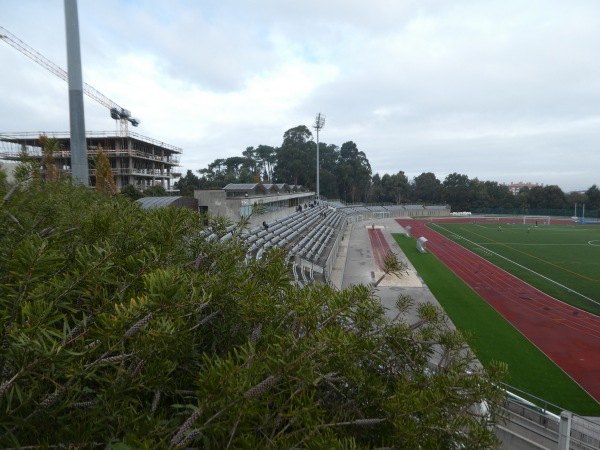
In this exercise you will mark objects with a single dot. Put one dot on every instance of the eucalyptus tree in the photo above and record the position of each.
(329, 156)
(499, 195)
(251, 164)
(296, 158)
(457, 192)
(522, 198)
(576, 198)
(353, 172)
(394, 187)
(426, 188)
(187, 184)
(238, 169)
(265, 156)
(547, 197)
(376, 190)
(213, 175)
(593, 198)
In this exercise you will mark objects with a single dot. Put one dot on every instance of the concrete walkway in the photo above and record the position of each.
(355, 265)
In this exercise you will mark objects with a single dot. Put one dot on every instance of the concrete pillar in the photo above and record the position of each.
(79, 161)
(564, 431)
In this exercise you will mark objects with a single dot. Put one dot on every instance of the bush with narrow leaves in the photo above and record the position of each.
(124, 327)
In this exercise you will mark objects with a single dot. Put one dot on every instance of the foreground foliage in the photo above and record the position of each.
(124, 327)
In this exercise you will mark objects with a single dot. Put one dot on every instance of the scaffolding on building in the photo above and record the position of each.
(135, 159)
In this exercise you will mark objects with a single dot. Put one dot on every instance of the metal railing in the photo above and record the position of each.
(11, 146)
(20, 136)
(139, 172)
(37, 153)
(545, 422)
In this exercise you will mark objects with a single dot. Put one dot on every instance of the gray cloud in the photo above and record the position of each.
(500, 90)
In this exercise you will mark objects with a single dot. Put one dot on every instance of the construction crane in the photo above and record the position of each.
(116, 112)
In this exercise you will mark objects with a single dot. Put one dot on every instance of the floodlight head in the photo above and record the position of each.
(319, 122)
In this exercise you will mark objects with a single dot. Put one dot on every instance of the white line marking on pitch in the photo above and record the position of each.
(523, 267)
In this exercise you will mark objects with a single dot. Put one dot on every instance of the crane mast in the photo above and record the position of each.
(116, 112)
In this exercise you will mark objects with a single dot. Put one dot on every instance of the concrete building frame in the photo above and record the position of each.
(135, 159)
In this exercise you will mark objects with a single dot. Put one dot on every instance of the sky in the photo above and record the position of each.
(504, 91)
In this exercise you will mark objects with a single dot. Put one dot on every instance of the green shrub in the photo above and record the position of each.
(124, 327)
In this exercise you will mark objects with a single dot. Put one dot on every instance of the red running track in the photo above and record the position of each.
(379, 245)
(567, 335)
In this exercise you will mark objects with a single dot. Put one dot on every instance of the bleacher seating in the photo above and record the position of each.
(305, 236)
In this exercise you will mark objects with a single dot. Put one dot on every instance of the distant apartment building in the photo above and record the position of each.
(515, 188)
(134, 159)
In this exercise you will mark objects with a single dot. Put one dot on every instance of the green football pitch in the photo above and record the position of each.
(493, 338)
(560, 260)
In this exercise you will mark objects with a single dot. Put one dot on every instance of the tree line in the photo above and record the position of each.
(468, 194)
(345, 173)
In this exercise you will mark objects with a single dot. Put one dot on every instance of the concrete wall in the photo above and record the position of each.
(513, 440)
(187, 202)
(217, 203)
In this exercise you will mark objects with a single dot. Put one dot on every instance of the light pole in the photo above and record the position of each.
(319, 124)
(79, 162)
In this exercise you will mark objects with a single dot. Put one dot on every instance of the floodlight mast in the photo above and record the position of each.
(319, 124)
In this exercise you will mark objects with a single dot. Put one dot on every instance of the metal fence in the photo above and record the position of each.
(548, 425)
(534, 212)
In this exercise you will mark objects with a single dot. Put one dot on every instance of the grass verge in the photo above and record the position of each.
(493, 338)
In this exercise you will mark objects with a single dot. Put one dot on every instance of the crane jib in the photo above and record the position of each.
(116, 112)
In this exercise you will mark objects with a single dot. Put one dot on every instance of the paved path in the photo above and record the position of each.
(356, 264)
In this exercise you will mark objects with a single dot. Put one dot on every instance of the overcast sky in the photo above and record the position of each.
(503, 90)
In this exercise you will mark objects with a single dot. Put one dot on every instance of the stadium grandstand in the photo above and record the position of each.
(289, 217)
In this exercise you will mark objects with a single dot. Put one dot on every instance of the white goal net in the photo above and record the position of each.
(536, 220)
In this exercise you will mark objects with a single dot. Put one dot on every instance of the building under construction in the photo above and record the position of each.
(135, 159)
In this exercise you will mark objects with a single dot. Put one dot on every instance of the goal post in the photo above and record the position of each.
(536, 220)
